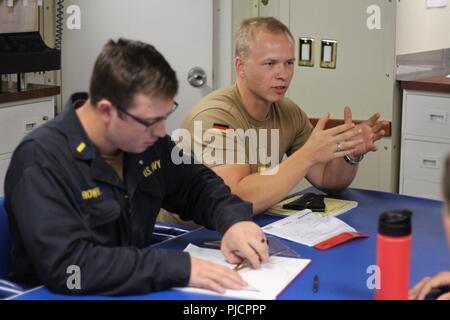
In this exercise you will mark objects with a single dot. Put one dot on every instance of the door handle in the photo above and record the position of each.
(197, 77)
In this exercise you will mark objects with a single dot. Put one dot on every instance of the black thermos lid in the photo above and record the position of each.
(395, 223)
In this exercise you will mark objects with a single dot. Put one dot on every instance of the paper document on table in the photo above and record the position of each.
(265, 283)
(333, 207)
(307, 228)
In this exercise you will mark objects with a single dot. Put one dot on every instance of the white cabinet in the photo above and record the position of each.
(425, 143)
(16, 120)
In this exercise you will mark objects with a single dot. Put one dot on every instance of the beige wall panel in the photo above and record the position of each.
(364, 77)
(421, 29)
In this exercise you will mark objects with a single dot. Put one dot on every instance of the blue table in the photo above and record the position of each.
(343, 269)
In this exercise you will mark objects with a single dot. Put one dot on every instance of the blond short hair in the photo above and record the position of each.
(245, 34)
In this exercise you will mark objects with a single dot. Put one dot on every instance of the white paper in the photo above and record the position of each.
(307, 228)
(265, 283)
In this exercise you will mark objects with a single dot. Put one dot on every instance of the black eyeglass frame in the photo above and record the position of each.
(148, 123)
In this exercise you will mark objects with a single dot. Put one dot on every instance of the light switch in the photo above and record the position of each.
(328, 54)
(306, 52)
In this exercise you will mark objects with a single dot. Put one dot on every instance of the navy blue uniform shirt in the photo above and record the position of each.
(68, 207)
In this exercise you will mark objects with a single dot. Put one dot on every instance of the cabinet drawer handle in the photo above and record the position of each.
(430, 163)
(437, 117)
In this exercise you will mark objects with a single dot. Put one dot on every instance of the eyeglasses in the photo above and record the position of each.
(149, 123)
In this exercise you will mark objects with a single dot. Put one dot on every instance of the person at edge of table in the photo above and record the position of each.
(256, 103)
(82, 192)
(440, 281)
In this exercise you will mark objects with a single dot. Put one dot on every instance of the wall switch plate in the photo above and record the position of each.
(306, 52)
(328, 54)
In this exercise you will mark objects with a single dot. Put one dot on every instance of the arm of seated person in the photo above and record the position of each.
(267, 188)
(263, 190)
(423, 287)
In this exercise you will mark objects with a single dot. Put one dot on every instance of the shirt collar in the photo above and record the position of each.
(79, 143)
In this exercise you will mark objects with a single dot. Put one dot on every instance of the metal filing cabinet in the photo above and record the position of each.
(16, 120)
(425, 143)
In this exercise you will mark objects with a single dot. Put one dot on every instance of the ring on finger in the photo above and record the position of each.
(338, 147)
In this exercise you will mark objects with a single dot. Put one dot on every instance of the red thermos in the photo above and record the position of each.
(394, 255)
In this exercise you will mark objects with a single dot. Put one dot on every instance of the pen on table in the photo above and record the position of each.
(245, 262)
(241, 265)
(316, 284)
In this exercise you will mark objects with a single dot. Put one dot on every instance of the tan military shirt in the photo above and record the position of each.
(221, 131)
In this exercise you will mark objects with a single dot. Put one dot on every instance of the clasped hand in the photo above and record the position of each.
(347, 139)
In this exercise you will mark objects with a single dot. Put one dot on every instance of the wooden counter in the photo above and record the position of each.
(437, 83)
(33, 91)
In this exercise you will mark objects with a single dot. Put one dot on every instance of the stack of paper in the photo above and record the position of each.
(265, 283)
(307, 228)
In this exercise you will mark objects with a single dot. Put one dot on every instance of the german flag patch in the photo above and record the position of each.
(220, 127)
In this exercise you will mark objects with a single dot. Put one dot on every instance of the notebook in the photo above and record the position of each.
(265, 283)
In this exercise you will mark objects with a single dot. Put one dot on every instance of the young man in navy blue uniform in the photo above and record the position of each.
(83, 191)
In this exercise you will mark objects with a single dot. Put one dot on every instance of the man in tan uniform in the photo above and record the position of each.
(244, 131)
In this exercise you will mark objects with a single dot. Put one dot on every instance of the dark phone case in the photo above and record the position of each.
(314, 202)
